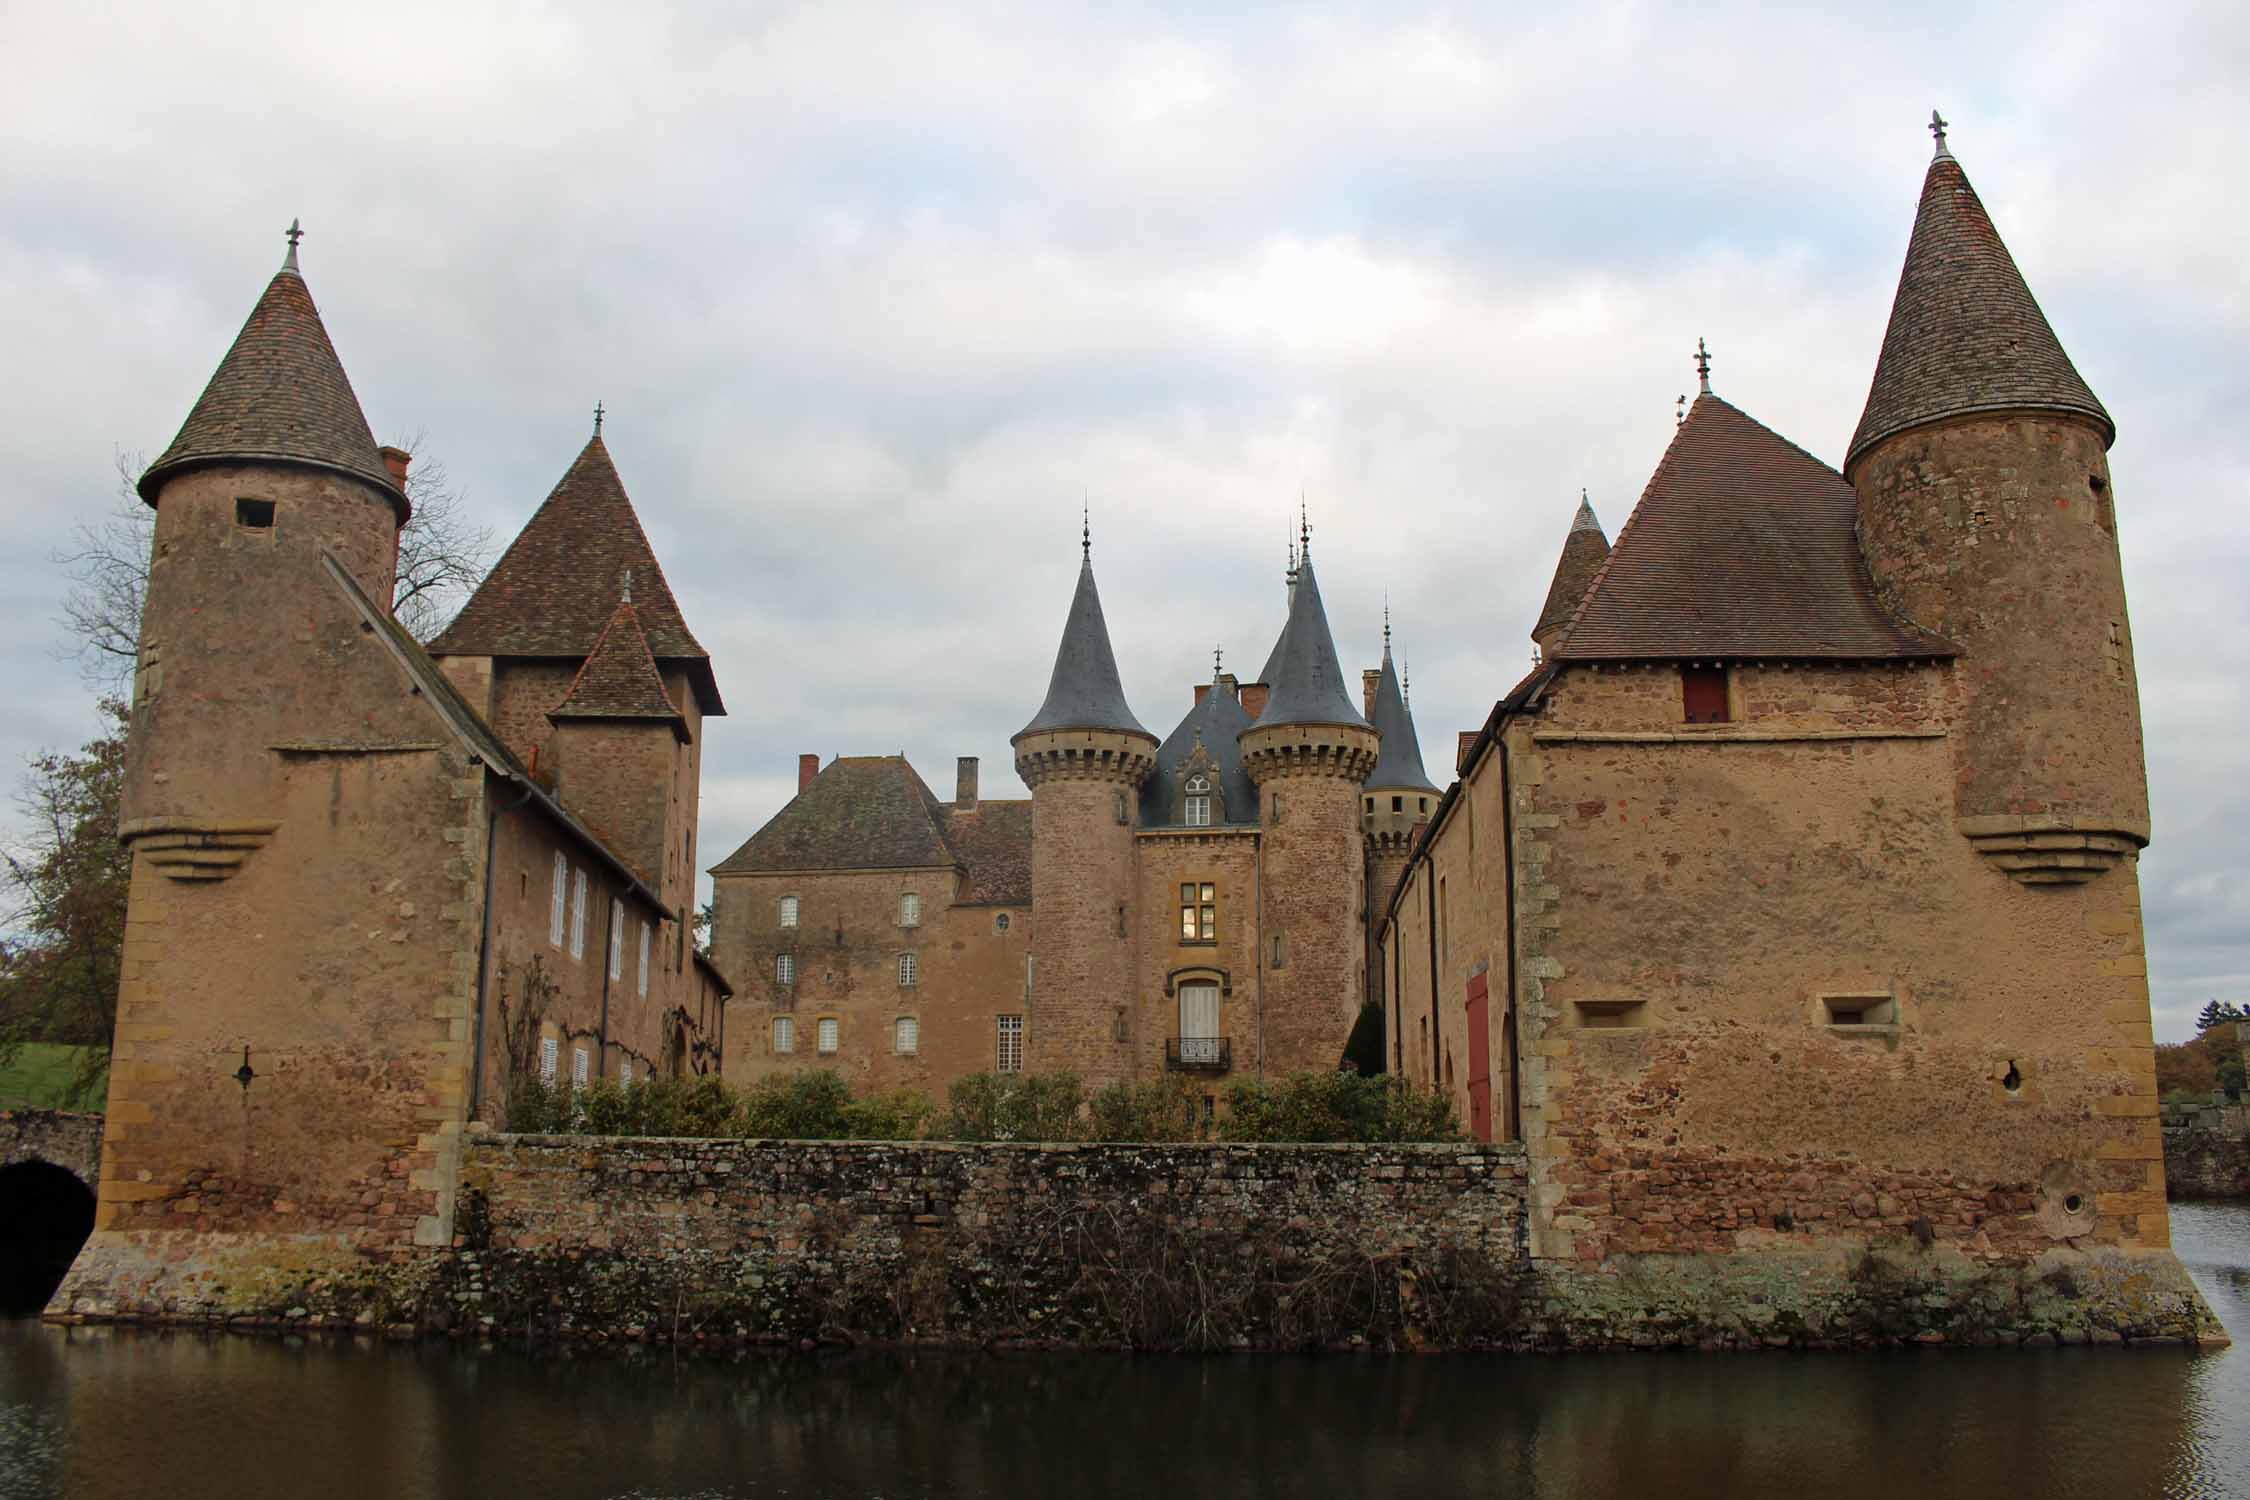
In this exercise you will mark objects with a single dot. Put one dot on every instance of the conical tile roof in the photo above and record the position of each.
(1743, 546)
(1307, 682)
(1084, 691)
(1398, 763)
(550, 594)
(280, 395)
(1965, 334)
(1216, 724)
(1584, 550)
(618, 679)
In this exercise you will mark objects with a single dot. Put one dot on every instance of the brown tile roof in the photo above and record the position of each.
(1584, 549)
(1743, 545)
(1965, 334)
(550, 594)
(619, 679)
(280, 394)
(993, 843)
(862, 812)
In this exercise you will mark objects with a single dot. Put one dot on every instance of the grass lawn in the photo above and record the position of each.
(39, 1078)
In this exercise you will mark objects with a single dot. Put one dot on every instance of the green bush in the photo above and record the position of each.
(814, 1106)
(1014, 1107)
(1161, 1109)
(1336, 1107)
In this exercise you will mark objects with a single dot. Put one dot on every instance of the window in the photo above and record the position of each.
(1703, 694)
(1398, 804)
(1198, 808)
(906, 1036)
(644, 958)
(1280, 950)
(616, 939)
(1009, 1057)
(785, 968)
(830, 1032)
(1000, 922)
(789, 911)
(562, 895)
(550, 1053)
(581, 1066)
(909, 969)
(625, 1073)
(1200, 1045)
(254, 515)
(1199, 912)
(578, 916)
(910, 910)
(784, 1034)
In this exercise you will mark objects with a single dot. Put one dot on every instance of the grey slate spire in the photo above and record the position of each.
(1306, 680)
(1085, 692)
(1398, 763)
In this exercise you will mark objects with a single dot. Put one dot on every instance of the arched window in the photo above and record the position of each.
(1196, 808)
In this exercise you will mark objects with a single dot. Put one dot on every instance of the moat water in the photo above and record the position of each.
(97, 1413)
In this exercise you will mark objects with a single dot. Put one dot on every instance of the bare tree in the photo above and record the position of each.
(442, 557)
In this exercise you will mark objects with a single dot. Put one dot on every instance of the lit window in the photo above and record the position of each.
(1198, 811)
(581, 1066)
(562, 896)
(550, 1053)
(578, 916)
(785, 968)
(909, 970)
(616, 939)
(784, 1034)
(831, 1031)
(644, 958)
(1199, 912)
(910, 910)
(906, 1036)
(1010, 1054)
(789, 911)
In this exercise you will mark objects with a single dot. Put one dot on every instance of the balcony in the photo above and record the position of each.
(1198, 1054)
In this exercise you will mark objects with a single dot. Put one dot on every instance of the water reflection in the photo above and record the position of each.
(93, 1414)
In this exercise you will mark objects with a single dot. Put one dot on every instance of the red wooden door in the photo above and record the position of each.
(1480, 1060)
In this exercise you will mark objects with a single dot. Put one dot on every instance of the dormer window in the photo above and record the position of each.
(1197, 804)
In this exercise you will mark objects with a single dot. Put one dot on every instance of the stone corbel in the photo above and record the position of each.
(196, 849)
(2052, 849)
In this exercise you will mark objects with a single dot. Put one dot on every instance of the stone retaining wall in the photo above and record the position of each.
(2208, 1154)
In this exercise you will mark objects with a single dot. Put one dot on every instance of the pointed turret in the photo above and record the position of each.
(1584, 550)
(279, 396)
(1306, 678)
(1966, 335)
(1398, 761)
(1084, 691)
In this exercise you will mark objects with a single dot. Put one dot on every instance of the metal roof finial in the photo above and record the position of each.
(1679, 415)
(1703, 366)
(1086, 529)
(597, 419)
(1386, 624)
(1937, 129)
(294, 234)
(1218, 664)
(1406, 685)
(1304, 529)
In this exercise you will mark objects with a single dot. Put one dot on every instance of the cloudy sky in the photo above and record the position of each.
(876, 295)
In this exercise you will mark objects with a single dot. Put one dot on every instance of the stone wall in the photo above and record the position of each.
(2207, 1155)
(61, 1137)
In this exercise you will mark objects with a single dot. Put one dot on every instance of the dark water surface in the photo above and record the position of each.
(94, 1413)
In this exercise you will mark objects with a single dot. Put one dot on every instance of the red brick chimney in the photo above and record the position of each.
(808, 766)
(396, 460)
(965, 784)
(1254, 698)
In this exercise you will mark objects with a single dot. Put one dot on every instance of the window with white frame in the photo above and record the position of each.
(910, 910)
(784, 1034)
(644, 957)
(785, 968)
(1199, 912)
(550, 1055)
(581, 1066)
(831, 1032)
(562, 896)
(1008, 1056)
(616, 939)
(906, 1036)
(1200, 1045)
(1198, 807)
(789, 911)
(909, 970)
(578, 916)
(625, 1073)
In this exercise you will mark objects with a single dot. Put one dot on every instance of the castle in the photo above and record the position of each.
(1787, 910)
(1197, 906)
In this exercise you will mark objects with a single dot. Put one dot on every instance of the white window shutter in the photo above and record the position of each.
(578, 916)
(616, 939)
(562, 886)
(644, 959)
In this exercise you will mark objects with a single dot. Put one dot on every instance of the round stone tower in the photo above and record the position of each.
(1309, 753)
(1084, 757)
(273, 469)
(1986, 515)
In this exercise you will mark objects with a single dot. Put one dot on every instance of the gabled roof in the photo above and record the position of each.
(619, 680)
(1216, 724)
(1743, 545)
(280, 395)
(1398, 762)
(862, 812)
(550, 594)
(1084, 691)
(1965, 334)
(993, 843)
(1307, 679)
(1584, 549)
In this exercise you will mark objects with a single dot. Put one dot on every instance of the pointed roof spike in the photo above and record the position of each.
(279, 396)
(1584, 550)
(1306, 680)
(1965, 333)
(1398, 760)
(1679, 413)
(1937, 129)
(1086, 529)
(1386, 625)
(293, 234)
(1084, 691)
(597, 419)
(1703, 366)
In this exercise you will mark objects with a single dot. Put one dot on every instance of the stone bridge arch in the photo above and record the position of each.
(50, 1161)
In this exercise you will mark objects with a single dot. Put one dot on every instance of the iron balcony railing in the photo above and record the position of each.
(1199, 1054)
